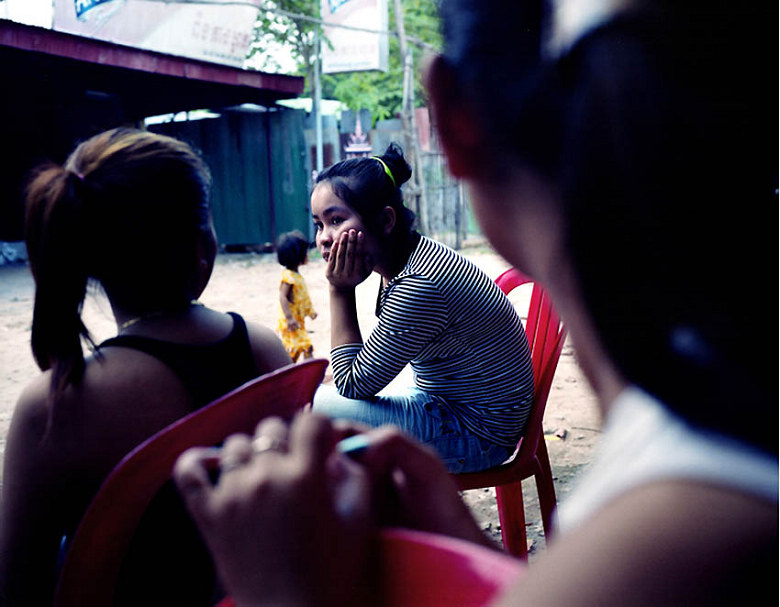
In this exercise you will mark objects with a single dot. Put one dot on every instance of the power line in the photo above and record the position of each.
(261, 5)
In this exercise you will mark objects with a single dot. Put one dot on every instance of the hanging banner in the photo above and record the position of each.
(354, 50)
(82, 7)
(210, 32)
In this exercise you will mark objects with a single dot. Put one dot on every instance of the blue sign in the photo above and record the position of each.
(335, 5)
(82, 6)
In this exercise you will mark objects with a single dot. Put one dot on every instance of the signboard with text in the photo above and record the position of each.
(210, 32)
(354, 49)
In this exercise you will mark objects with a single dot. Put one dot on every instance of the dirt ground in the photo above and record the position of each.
(248, 283)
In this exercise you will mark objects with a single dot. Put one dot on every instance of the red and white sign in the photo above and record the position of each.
(210, 32)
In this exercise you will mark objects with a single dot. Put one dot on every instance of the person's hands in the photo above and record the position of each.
(292, 324)
(348, 263)
(413, 487)
(287, 521)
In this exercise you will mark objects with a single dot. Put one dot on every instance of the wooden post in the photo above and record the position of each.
(411, 148)
(317, 102)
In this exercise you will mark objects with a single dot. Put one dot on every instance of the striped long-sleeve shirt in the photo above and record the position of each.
(462, 336)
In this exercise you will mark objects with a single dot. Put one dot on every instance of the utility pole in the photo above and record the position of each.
(409, 126)
(317, 102)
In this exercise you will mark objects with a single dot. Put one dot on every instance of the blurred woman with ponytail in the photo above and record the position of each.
(128, 211)
(473, 381)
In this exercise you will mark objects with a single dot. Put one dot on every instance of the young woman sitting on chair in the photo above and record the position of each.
(473, 379)
(129, 210)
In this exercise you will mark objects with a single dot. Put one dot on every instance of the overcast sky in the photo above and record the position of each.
(32, 12)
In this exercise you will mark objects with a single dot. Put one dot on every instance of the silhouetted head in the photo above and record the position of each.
(129, 209)
(648, 132)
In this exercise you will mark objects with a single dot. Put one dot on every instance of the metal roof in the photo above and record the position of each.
(58, 88)
(143, 82)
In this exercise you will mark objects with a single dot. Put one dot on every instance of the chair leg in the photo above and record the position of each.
(545, 488)
(511, 515)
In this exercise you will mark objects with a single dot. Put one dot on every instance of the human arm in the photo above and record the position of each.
(267, 349)
(344, 325)
(285, 295)
(33, 508)
(413, 316)
(674, 542)
(308, 306)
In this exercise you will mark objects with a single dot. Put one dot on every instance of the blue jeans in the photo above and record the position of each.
(421, 415)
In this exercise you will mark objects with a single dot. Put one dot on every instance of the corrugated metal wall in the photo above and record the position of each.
(260, 170)
(291, 172)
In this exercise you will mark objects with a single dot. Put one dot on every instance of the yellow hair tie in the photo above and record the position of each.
(387, 170)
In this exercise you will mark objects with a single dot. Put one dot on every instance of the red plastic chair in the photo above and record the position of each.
(546, 334)
(419, 568)
(94, 558)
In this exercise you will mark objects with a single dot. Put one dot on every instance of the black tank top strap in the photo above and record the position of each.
(207, 370)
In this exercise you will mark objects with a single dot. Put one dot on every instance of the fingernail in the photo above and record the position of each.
(353, 446)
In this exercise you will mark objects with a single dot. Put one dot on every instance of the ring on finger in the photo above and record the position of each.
(268, 443)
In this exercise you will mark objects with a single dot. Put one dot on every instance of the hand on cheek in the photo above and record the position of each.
(348, 264)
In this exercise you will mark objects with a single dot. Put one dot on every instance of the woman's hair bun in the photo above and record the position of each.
(395, 161)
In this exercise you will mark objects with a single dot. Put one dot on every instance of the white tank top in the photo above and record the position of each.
(644, 442)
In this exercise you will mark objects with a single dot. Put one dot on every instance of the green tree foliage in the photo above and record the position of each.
(275, 31)
(380, 92)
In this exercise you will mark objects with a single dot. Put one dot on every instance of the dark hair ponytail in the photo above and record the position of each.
(56, 239)
(369, 184)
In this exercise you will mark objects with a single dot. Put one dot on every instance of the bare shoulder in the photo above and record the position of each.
(31, 484)
(26, 433)
(31, 411)
(123, 397)
(665, 543)
(131, 392)
(267, 348)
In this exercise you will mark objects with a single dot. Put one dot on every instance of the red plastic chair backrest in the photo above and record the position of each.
(545, 334)
(92, 563)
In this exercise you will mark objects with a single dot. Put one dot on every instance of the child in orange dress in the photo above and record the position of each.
(294, 302)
